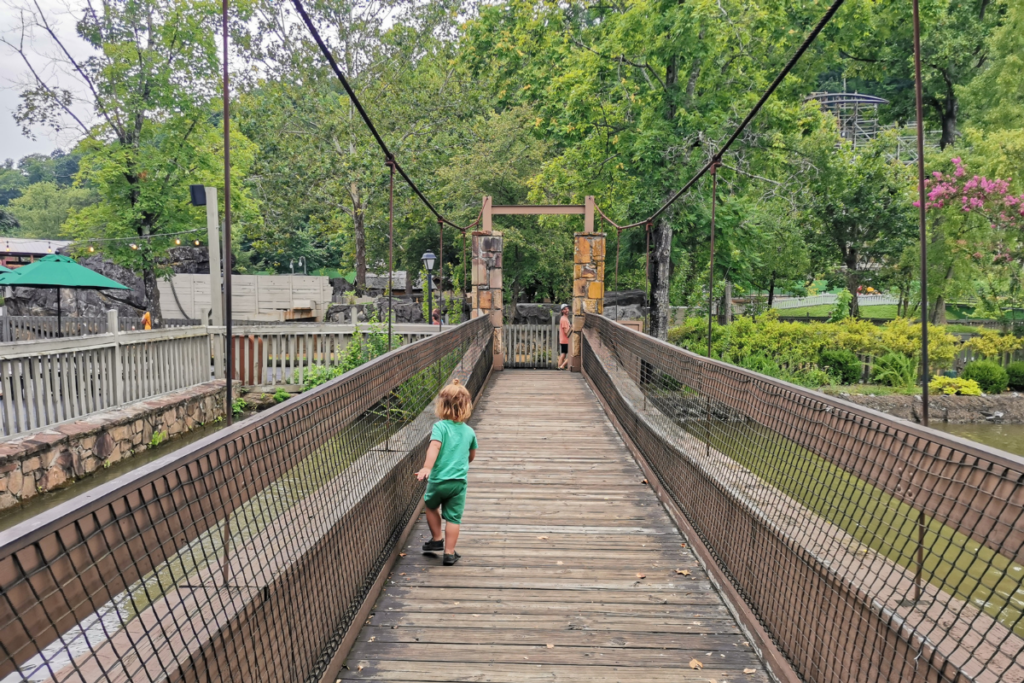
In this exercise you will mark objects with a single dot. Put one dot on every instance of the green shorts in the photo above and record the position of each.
(449, 495)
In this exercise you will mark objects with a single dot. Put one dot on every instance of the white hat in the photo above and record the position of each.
(564, 306)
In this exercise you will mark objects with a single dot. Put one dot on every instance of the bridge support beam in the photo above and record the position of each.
(587, 287)
(487, 287)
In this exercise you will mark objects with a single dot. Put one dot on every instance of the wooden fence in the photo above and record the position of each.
(531, 346)
(44, 382)
(16, 328)
(281, 355)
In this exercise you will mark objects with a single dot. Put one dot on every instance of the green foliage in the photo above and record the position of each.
(1015, 375)
(951, 386)
(992, 344)
(360, 349)
(842, 365)
(157, 439)
(280, 396)
(989, 375)
(895, 369)
(43, 207)
(238, 406)
(841, 308)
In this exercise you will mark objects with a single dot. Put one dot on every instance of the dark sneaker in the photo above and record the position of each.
(449, 560)
(433, 546)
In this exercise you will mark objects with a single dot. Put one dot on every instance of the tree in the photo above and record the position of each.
(149, 131)
(636, 96)
(975, 230)
(954, 48)
(43, 207)
(858, 203)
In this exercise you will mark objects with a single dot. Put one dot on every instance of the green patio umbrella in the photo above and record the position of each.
(5, 269)
(58, 272)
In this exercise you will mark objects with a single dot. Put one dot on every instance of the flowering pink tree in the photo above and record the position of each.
(976, 236)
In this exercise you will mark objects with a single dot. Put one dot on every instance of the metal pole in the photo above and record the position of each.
(229, 371)
(919, 106)
(711, 266)
(391, 246)
(430, 301)
(440, 278)
(618, 245)
(647, 273)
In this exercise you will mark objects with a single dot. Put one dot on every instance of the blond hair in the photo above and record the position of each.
(454, 403)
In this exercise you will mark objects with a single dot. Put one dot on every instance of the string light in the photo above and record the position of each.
(92, 249)
(196, 243)
(177, 241)
(133, 245)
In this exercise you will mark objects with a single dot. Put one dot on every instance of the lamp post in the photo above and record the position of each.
(428, 261)
(302, 262)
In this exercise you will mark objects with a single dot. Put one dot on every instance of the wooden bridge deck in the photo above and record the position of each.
(570, 567)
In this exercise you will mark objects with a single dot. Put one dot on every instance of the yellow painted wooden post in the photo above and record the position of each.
(587, 287)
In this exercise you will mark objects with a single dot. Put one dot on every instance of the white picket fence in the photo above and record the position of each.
(50, 381)
(531, 346)
(45, 382)
(830, 299)
(280, 355)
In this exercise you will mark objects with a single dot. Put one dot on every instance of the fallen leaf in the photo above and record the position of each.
(749, 671)
(542, 538)
(456, 603)
(559, 562)
(695, 664)
(684, 572)
(645, 481)
(641, 576)
(711, 680)
(476, 615)
(402, 554)
(360, 668)
(373, 638)
(402, 574)
(682, 545)
(550, 645)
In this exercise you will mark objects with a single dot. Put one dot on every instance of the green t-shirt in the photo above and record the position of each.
(457, 440)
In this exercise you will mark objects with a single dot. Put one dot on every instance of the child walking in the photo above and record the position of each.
(452, 448)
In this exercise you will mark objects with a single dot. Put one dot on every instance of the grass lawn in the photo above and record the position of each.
(883, 312)
(953, 562)
(868, 389)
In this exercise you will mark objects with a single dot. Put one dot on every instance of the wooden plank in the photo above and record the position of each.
(571, 568)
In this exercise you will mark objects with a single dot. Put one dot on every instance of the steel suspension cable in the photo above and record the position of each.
(362, 112)
(717, 157)
(711, 267)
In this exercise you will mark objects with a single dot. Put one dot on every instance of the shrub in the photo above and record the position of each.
(280, 396)
(895, 370)
(904, 336)
(991, 344)
(954, 385)
(1015, 373)
(841, 365)
(989, 375)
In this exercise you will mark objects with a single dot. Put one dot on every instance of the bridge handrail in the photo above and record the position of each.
(262, 538)
(820, 513)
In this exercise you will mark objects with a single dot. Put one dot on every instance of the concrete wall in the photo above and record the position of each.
(253, 297)
(47, 459)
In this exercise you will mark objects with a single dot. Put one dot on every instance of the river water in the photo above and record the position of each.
(1006, 437)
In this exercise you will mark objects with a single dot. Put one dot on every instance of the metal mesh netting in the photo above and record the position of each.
(242, 557)
(870, 549)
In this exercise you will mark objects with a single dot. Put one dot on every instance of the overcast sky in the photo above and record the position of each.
(14, 145)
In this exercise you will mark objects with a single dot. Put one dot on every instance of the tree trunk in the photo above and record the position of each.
(359, 228)
(939, 312)
(152, 292)
(949, 114)
(660, 275)
(852, 281)
(771, 290)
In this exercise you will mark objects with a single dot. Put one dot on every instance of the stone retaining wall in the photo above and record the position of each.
(45, 460)
(1007, 408)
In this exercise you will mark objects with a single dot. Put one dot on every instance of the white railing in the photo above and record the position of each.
(45, 382)
(531, 346)
(829, 299)
(31, 327)
(280, 355)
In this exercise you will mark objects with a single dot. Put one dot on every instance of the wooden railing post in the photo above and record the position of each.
(118, 380)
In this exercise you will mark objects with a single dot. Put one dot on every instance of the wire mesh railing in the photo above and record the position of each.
(868, 548)
(243, 557)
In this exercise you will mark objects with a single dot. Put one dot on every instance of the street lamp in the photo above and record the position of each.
(428, 261)
(302, 262)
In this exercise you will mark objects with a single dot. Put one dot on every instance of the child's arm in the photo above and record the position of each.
(472, 454)
(432, 450)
